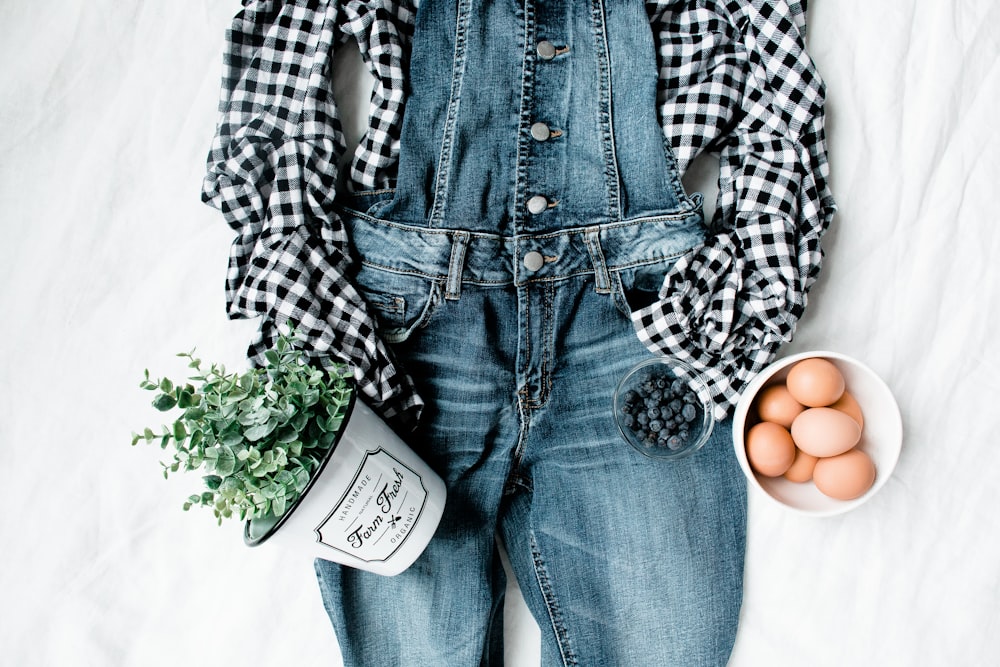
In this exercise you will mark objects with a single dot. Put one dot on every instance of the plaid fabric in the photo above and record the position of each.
(272, 171)
(734, 79)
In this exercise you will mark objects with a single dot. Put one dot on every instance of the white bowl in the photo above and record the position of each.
(881, 438)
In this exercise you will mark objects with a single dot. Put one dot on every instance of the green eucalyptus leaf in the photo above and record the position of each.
(213, 482)
(184, 399)
(286, 434)
(226, 463)
(195, 412)
(231, 438)
(255, 433)
(301, 476)
(164, 402)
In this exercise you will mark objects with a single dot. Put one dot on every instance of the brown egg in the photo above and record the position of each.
(770, 449)
(825, 432)
(846, 476)
(801, 469)
(849, 405)
(775, 404)
(815, 382)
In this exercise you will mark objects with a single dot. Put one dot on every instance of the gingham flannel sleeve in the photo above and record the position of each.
(272, 172)
(735, 79)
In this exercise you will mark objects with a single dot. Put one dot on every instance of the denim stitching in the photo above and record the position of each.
(528, 62)
(546, 279)
(456, 264)
(544, 375)
(369, 193)
(463, 11)
(611, 174)
(602, 281)
(551, 605)
(611, 225)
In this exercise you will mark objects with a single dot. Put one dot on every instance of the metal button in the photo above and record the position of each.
(546, 50)
(533, 261)
(537, 204)
(540, 131)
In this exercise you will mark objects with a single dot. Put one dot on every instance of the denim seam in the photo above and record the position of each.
(528, 64)
(370, 193)
(498, 283)
(551, 604)
(611, 174)
(611, 225)
(456, 265)
(436, 277)
(544, 376)
(463, 12)
(602, 281)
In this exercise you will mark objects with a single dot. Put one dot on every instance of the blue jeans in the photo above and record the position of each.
(536, 203)
(622, 560)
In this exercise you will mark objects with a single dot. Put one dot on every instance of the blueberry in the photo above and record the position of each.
(676, 405)
(674, 442)
(689, 412)
(690, 398)
(655, 426)
(676, 386)
(684, 435)
(628, 421)
(631, 396)
(656, 394)
(642, 418)
(653, 412)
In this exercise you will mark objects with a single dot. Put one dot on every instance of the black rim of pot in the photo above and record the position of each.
(257, 541)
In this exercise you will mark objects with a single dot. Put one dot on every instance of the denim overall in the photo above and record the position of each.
(536, 203)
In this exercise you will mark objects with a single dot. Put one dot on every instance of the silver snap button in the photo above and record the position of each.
(546, 50)
(537, 204)
(533, 261)
(540, 132)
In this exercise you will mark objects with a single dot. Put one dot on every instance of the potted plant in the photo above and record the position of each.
(291, 451)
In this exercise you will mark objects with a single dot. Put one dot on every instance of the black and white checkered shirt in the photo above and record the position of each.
(735, 79)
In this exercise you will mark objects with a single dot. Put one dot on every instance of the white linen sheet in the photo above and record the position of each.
(111, 264)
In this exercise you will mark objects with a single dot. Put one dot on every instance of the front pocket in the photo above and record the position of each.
(636, 287)
(399, 303)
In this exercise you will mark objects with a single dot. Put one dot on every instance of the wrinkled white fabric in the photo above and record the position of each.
(112, 264)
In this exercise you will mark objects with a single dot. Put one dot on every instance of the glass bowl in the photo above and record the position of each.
(662, 409)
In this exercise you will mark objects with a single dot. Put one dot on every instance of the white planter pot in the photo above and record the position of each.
(373, 505)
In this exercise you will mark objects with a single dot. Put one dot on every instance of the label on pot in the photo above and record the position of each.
(377, 512)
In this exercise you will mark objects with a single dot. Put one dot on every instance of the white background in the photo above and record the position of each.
(111, 264)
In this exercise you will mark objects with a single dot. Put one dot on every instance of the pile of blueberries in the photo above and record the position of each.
(660, 410)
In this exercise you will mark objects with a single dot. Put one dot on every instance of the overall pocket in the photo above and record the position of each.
(400, 303)
(636, 287)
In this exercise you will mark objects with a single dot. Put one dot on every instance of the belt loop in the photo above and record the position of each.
(453, 288)
(592, 237)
